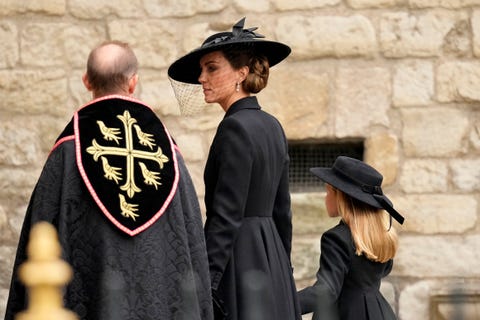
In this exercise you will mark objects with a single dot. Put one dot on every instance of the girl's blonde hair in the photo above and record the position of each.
(371, 231)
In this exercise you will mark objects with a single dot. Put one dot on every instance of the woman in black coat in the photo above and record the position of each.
(358, 252)
(248, 228)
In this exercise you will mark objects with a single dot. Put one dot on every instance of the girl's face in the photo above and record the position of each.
(331, 201)
(219, 79)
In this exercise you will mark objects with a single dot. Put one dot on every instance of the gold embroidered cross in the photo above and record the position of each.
(130, 154)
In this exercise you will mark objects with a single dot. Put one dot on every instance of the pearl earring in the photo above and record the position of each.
(237, 87)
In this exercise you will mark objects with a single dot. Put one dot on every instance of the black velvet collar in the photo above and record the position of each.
(244, 103)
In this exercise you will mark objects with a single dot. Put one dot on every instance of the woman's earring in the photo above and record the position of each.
(237, 88)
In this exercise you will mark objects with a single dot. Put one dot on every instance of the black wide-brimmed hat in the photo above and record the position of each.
(358, 180)
(187, 68)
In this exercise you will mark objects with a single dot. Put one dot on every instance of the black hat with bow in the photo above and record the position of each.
(358, 180)
(187, 68)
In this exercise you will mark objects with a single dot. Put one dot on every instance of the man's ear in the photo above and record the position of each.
(132, 84)
(86, 83)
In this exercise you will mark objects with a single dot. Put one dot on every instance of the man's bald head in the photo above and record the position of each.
(110, 66)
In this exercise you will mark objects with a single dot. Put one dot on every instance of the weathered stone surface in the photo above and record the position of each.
(245, 6)
(103, 8)
(17, 145)
(3, 217)
(182, 8)
(457, 42)
(195, 168)
(400, 75)
(33, 92)
(413, 84)
(424, 176)
(466, 174)
(415, 299)
(449, 4)
(309, 214)
(305, 258)
(52, 44)
(151, 40)
(79, 95)
(434, 131)
(48, 129)
(363, 99)
(192, 146)
(285, 5)
(51, 7)
(458, 81)
(403, 35)
(475, 135)
(375, 4)
(388, 291)
(3, 299)
(6, 264)
(437, 214)
(438, 256)
(381, 152)
(9, 54)
(156, 91)
(16, 219)
(19, 182)
(303, 114)
(206, 121)
(192, 36)
(327, 36)
(475, 25)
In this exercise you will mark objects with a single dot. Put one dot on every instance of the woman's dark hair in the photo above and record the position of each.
(257, 64)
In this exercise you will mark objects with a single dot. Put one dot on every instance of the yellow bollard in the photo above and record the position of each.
(44, 274)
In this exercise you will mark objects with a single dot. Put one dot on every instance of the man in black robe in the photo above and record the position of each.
(116, 188)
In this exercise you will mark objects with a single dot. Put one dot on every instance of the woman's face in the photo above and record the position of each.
(219, 79)
(331, 201)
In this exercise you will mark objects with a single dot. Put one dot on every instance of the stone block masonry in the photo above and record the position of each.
(401, 76)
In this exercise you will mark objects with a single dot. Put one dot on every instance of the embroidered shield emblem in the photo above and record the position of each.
(127, 160)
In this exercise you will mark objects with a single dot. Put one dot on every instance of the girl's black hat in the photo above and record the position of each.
(358, 180)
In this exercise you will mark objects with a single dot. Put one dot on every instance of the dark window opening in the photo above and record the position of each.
(304, 156)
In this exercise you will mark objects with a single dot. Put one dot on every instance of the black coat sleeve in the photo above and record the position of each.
(335, 258)
(282, 214)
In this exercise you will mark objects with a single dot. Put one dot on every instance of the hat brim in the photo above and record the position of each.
(187, 68)
(338, 182)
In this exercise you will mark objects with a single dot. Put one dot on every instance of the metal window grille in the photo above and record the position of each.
(303, 156)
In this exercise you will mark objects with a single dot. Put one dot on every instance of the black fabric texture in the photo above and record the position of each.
(161, 273)
(348, 285)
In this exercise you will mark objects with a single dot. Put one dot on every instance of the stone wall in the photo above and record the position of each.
(402, 75)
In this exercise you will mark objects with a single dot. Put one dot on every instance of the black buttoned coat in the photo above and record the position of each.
(248, 228)
(348, 285)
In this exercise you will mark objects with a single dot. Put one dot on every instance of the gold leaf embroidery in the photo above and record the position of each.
(128, 209)
(131, 156)
(150, 177)
(145, 139)
(109, 134)
(111, 173)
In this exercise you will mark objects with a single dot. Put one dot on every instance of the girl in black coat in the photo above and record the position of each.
(248, 228)
(358, 252)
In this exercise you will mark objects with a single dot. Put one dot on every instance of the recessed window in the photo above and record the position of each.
(304, 156)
